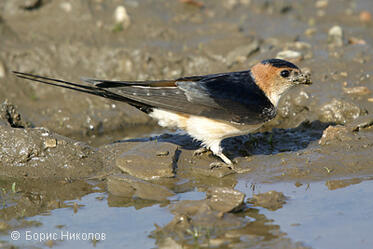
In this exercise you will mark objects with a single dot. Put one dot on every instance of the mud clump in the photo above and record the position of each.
(225, 199)
(272, 200)
(337, 184)
(205, 165)
(364, 122)
(339, 111)
(132, 187)
(335, 134)
(205, 220)
(38, 153)
(219, 200)
(206, 224)
(9, 115)
(149, 160)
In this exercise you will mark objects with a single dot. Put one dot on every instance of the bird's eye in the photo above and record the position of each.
(285, 73)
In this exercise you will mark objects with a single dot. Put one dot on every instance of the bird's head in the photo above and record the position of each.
(275, 77)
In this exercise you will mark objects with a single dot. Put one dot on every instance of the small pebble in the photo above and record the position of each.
(358, 90)
(365, 16)
(122, 17)
(344, 74)
(290, 55)
(335, 36)
(356, 41)
(49, 243)
(302, 45)
(50, 143)
(310, 31)
(66, 6)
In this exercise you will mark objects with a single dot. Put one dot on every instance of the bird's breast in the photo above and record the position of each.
(201, 128)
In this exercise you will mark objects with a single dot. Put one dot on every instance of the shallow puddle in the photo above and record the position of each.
(322, 217)
(317, 214)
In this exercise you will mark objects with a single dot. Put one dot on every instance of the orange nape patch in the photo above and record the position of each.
(265, 76)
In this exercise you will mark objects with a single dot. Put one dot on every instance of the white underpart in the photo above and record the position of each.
(275, 98)
(277, 93)
(209, 131)
(166, 118)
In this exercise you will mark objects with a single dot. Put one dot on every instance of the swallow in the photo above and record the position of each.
(209, 108)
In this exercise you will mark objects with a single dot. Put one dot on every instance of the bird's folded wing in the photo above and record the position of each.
(233, 97)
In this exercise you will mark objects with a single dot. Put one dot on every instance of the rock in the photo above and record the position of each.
(240, 54)
(358, 90)
(290, 55)
(339, 111)
(132, 187)
(335, 134)
(23, 154)
(335, 36)
(149, 160)
(121, 17)
(225, 199)
(272, 200)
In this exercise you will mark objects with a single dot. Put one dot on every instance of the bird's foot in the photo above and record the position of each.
(215, 165)
(200, 151)
(224, 158)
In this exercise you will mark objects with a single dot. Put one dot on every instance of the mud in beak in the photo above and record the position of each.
(302, 78)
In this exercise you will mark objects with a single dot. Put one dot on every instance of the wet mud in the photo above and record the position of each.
(64, 151)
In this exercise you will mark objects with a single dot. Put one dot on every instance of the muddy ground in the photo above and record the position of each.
(107, 162)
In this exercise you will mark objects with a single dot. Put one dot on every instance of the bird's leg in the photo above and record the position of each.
(200, 151)
(218, 151)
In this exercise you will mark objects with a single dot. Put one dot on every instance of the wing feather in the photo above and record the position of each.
(232, 97)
